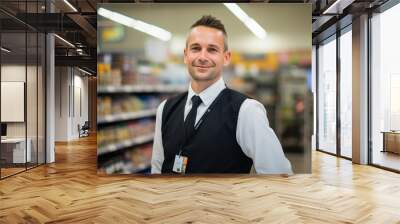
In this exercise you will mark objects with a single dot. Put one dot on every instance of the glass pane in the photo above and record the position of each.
(386, 89)
(327, 97)
(31, 84)
(345, 94)
(31, 97)
(13, 87)
(41, 98)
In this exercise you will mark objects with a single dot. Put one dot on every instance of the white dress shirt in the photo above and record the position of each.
(253, 134)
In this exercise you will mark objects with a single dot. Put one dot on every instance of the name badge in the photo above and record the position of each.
(180, 164)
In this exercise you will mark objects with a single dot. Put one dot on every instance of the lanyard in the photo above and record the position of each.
(198, 124)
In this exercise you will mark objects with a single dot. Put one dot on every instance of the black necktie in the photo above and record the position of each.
(191, 117)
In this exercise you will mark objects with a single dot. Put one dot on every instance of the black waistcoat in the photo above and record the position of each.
(213, 148)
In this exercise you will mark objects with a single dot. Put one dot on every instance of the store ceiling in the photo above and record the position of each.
(287, 25)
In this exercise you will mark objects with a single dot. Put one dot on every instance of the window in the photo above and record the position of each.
(346, 94)
(385, 89)
(327, 96)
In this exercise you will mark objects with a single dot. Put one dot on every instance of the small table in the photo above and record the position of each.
(391, 141)
(13, 150)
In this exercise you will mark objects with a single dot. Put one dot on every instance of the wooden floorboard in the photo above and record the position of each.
(71, 191)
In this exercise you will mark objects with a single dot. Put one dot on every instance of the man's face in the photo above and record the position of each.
(204, 54)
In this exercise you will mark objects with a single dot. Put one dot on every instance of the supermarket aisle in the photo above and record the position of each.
(71, 191)
(127, 106)
(136, 72)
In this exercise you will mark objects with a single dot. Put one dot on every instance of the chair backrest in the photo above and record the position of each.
(86, 125)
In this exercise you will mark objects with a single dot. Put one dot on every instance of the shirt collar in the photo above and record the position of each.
(208, 95)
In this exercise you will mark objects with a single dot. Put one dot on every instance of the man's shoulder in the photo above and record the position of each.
(251, 107)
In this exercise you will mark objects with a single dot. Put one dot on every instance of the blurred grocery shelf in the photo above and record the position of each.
(125, 144)
(126, 116)
(142, 89)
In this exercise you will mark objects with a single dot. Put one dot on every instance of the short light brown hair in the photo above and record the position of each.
(212, 22)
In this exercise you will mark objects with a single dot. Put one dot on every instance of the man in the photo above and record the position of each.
(211, 128)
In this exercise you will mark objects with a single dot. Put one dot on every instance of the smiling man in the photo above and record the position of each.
(211, 128)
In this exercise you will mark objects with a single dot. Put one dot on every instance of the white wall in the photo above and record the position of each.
(61, 103)
(70, 83)
(80, 94)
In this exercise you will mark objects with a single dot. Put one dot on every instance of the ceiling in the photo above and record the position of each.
(80, 27)
(287, 25)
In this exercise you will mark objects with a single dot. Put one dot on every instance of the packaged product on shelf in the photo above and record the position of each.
(100, 138)
(122, 132)
(140, 157)
(146, 151)
(148, 74)
(131, 104)
(129, 70)
(105, 136)
(116, 78)
(146, 100)
(107, 105)
(137, 158)
(104, 73)
(129, 78)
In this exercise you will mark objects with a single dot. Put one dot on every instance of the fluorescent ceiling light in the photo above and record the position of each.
(5, 50)
(251, 24)
(65, 41)
(70, 5)
(152, 30)
(84, 71)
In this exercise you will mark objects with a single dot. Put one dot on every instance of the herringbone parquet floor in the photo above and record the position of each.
(70, 191)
